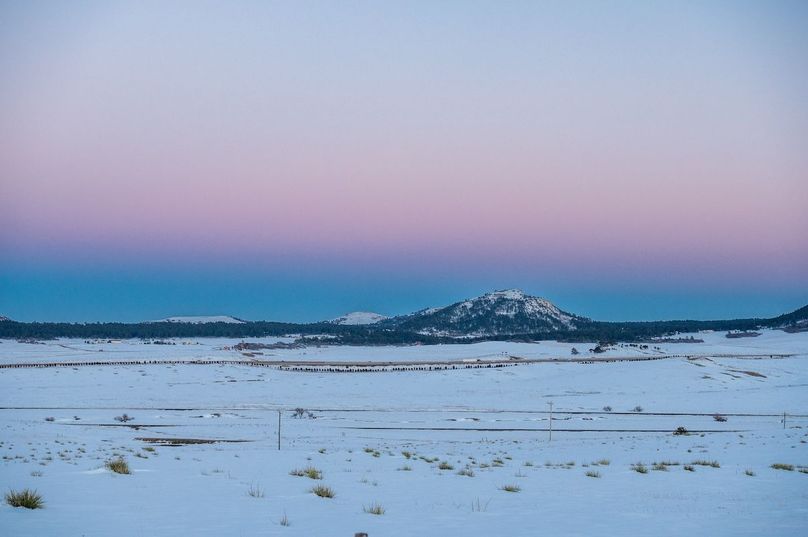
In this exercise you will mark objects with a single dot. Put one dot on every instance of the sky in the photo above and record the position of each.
(299, 160)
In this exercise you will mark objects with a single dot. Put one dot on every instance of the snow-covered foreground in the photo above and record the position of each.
(382, 438)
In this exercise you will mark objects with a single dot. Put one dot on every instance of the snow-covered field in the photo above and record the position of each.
(70, 350)
(381, 438)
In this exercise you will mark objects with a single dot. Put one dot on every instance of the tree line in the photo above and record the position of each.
(327, 333)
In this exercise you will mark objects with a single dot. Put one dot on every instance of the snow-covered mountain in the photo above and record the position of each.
(201, 319)
(499, 313)
(359, 318)
(4, 319)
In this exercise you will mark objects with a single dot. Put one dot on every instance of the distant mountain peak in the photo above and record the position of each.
(357, 318)
(511, 294)
(508, 311)
(2, 318)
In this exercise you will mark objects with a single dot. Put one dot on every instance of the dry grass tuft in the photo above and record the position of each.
(640, 468)
(119, 466)
(309, 471)
(323, 491)
(374, 509)
(255, 491)
(27, 498)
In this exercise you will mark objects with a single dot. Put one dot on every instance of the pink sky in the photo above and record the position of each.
(669, 138)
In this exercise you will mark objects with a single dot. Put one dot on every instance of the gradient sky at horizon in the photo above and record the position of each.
(298, 160)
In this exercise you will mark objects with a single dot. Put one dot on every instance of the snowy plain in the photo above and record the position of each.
(382, 437)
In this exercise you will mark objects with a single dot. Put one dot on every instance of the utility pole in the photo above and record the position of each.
(784, 420)
(279, 430)
(551, 421)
